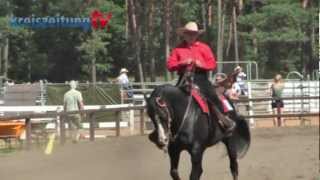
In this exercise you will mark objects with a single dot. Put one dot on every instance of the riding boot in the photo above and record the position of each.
(227, 124)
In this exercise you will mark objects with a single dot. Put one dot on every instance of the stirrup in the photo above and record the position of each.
(230, 128)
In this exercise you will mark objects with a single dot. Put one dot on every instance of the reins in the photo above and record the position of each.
(188, 77)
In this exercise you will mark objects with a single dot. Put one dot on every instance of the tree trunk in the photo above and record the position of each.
(204, 14)
(167, 34)
(93, 71)
(219, 45)
(127, 20)
(1, 60)
(222, 33)
(307, 46)
(29, 71)
(150, 40)
(210, 14)
(136, 39)
(255, 43)
(230, 35)
(254, 38)
(235, 34)
(304, 3)
(5, 58)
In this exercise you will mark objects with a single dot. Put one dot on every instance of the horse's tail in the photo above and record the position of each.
(241, 136)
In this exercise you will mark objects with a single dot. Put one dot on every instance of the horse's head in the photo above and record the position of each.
(158, 111)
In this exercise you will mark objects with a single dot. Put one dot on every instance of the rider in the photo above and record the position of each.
(192, 52)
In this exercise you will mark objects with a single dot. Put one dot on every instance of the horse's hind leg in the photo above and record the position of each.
(174, 154)
(232, 153)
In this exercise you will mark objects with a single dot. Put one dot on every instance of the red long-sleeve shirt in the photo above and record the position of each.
(197, 51)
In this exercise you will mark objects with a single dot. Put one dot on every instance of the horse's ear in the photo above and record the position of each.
(146, 98)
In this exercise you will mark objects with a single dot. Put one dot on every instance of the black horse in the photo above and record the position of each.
(181, 125)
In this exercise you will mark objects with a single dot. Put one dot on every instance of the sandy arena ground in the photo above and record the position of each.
(290, 153)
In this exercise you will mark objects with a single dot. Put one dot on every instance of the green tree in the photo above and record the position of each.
(281, 30)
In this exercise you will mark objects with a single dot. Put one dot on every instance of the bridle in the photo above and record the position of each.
(188, 77)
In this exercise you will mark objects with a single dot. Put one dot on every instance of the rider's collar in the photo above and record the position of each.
(196, 43)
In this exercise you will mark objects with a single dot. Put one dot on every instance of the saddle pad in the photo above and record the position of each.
(200, 100)
(225, 103)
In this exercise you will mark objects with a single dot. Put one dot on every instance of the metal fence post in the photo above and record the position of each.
(62, 129)
(142, 121)
(28, 133)
(302, 102)
(92, 124)
(279, 115)
(251, 120)
(118, 116)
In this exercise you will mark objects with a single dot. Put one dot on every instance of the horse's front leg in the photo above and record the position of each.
(196, 160)
(174, 153)
(233, 157)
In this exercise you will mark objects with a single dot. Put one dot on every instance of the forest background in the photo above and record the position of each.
(280, 35)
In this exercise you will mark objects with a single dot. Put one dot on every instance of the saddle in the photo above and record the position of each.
(202, 101)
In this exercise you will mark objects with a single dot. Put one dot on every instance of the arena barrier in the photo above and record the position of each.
(36, 112)
(39, 112)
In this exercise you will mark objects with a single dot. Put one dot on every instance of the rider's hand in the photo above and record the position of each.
(198, 63)
(187, 61)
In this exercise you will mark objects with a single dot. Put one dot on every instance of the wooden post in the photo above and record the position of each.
(92, 124)
(62, 130)
(142, 121)
(28, 133)
(118, 116)
(279, 115)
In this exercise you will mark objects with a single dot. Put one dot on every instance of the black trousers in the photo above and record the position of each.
(201, 79)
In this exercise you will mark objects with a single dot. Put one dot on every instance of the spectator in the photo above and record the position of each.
(223, 92)
(241, 80)
(219, 78)
(232, 93)
(123, 80)
(276, 90)
(73, 101)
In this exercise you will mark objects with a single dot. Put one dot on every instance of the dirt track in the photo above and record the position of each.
(275, 154)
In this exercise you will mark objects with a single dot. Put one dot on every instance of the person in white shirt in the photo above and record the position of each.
(124, 82)
(73, 101)
(123, 78)
(241, 80)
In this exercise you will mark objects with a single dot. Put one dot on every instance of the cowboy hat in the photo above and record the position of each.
(238, 68)
(123, 70)
(189, 27)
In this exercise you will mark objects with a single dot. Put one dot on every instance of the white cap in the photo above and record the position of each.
(73, 84)
(238, 67)
(123, 70)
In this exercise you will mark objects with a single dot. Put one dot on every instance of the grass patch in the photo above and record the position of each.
(102, 94)
(6, 151)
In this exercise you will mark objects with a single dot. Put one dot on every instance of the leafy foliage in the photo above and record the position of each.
(285, 33)
(283, 30)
